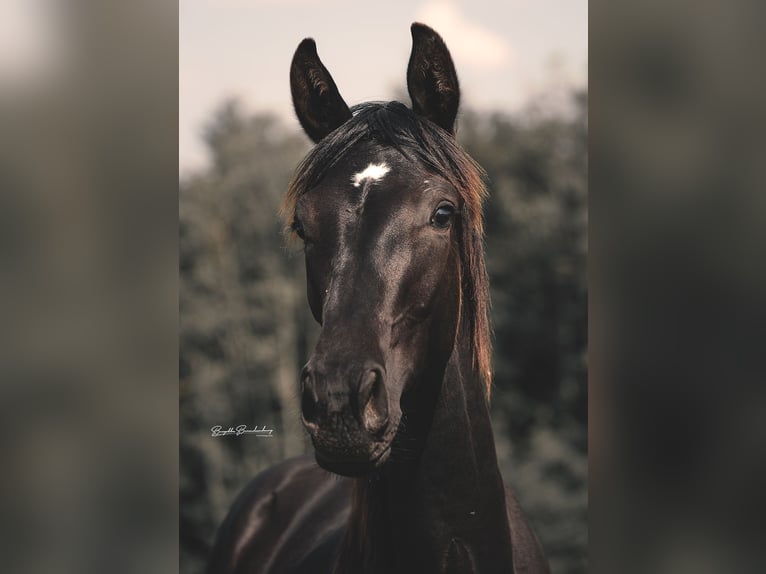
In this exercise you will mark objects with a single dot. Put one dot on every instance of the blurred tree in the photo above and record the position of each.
(536, 256)
(536, 249)
(244, 328)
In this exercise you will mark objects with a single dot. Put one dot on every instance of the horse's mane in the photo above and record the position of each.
(393, 124)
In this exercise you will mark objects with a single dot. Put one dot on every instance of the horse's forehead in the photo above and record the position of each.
(375, 169)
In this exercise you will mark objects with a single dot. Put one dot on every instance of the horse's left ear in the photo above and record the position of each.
(317, 101)
(431, 78)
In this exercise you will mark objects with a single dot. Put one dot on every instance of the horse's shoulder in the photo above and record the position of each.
(528, 555)
(269, 515)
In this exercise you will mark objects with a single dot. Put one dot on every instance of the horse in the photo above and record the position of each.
(395, 396)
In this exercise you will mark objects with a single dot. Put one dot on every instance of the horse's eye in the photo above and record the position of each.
(297, 227)
(442, 217)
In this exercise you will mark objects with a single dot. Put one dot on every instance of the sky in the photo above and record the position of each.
(507, 53)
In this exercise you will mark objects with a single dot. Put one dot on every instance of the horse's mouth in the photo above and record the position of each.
(354, 467)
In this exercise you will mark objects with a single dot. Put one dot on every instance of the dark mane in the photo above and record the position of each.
(394, 125)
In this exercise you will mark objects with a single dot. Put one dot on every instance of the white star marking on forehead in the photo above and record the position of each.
(373, 172)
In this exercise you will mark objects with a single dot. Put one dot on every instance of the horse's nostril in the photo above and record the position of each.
(309, 401)
(373, 401)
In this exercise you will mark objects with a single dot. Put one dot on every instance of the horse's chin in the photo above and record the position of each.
(353, 467)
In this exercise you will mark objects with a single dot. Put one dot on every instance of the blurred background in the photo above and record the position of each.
(245, 326)
(88, 286)
(677, 286)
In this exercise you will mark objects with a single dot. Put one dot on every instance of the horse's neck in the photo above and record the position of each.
(442, 508)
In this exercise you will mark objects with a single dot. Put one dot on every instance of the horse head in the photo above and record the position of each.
(388, 207)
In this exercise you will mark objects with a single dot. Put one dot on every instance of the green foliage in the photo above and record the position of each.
(536, 244)
(244, 325)
(536, 249)
(246, 328)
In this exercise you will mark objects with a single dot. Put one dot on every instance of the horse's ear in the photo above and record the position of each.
(318, 104)
(431, 78)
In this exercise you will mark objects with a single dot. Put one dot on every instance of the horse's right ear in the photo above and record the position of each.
(318, 104)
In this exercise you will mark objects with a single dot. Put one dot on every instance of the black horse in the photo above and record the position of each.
(395, 395)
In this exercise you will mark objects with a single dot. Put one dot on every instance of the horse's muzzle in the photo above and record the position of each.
(346, 412)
